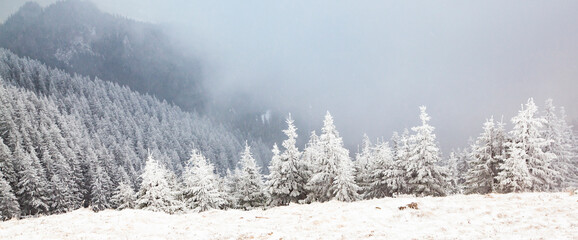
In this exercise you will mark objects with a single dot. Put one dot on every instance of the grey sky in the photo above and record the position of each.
(372, 63)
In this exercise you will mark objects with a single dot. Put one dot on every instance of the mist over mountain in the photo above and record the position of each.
(372, 63)
(77, 37)
(360, 61)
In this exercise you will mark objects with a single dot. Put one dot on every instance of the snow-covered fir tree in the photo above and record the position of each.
(527, 167)
(273, 184)
(395, 143)
(401, 160)
(424, 176)
(362, 165)
(9, 207)
(124, 197)
(327, 168)
(174, 183)
(463, 156)
(61, 184)
(383, 173)
(559, 132)
(31, 189)
(201, 185)
(7, 163)
(451, 164)
(345, 188)
(100, 188)
(486, 155)
(514, 175)
(298, 167)
(309, 158)
(569, 138)
(62, 196)
(574, 137)
(457, 165)
(285, 183)
(229, 187)
(155, 193)
(250, 191)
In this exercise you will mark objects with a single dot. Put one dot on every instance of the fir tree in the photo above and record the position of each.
(201, 185)
(62, 198)
(7, 163)
(154, 193)
(463, 166)
(309, 160)
(99, 188)
(384, 173)
(250, 188)
(424, 176)
(31, 189)
(395, 144)
(345, 189)
(332, 156)
(175, 184)
(285, 182)
(292, 156)
(124, 197)
(362, 165)
(63, 190)
(526, 154)
(9, 207)
(570, 140)
(274, 184)
(401, 161)
(457, 165)
(487, 156)
(559, 132)
(514, 175)
(229, 187)
(451, 164)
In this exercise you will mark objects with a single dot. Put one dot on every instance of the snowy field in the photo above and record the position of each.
(495, 216)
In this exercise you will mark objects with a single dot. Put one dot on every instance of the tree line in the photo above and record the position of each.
(539, 154)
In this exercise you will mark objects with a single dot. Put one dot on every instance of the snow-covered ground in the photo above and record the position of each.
(494, 216)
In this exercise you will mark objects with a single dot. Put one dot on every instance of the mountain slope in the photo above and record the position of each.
(70, 139)
(75, 36)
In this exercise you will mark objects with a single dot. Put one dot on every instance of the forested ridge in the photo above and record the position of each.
(77, 37)
(91, 134)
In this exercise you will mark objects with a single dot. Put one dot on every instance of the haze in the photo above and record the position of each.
(373, 63)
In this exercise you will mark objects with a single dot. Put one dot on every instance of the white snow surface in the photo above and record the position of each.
(493, 216)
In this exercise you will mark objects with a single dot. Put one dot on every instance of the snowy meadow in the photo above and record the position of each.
(491, 216)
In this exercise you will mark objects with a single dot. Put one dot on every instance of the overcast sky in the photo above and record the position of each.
(373, 63)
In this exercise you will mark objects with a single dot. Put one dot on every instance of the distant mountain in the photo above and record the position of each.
(77, 37)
